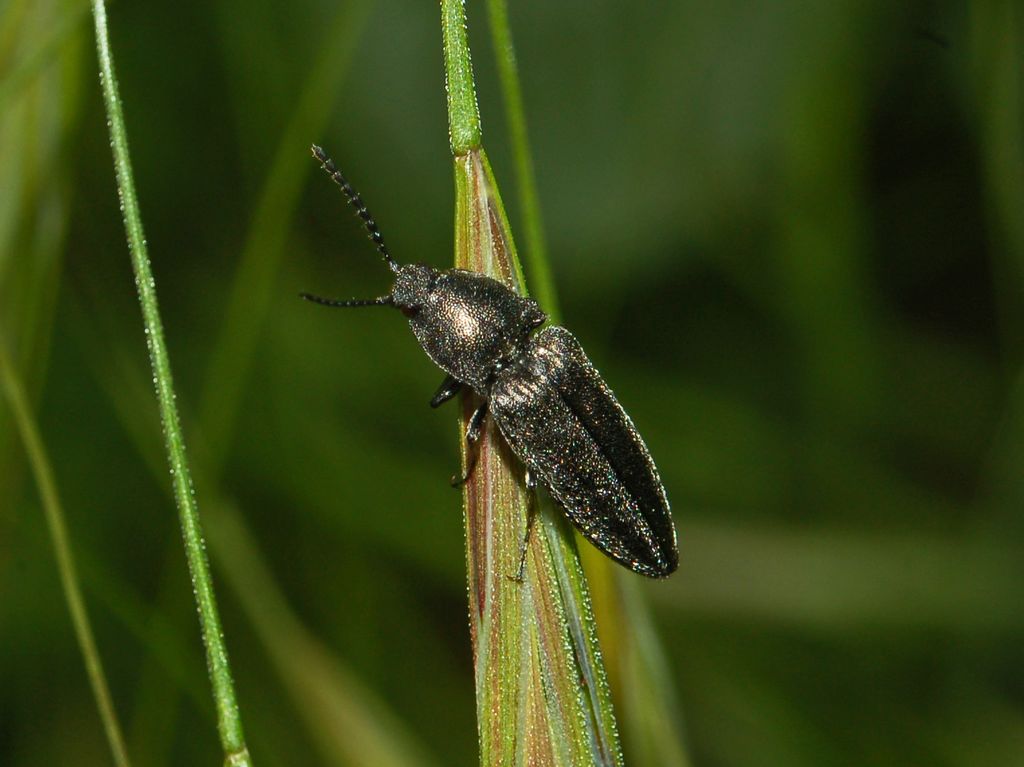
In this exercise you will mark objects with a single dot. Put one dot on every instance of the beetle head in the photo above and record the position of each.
(414, 284)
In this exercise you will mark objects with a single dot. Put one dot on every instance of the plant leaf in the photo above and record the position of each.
(542, 694)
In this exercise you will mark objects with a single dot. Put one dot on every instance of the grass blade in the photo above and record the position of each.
(350, 723)
(346, 720)
(464, 129)
(512, 93)
(632, 649)
(254, 284)
(43, 473)
(229, 721)
(542, 695)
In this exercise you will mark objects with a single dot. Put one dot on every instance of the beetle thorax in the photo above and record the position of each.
(468, 324)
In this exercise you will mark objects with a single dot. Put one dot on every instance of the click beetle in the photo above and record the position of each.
(546, 397)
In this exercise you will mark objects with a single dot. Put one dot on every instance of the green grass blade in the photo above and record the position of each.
(349, 724)
(43, 473)
(229, 721)
(533, 225)
(632, 650)
(542, 694)
(463, 112)
(254, 284)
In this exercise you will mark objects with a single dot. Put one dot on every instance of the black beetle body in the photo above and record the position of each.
(468, 324)
(549, 402)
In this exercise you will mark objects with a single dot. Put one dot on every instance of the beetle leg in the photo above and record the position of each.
(531, 515)
(449, 388)
(473, 431)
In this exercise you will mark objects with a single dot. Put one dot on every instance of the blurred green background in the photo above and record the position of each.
(790, 234)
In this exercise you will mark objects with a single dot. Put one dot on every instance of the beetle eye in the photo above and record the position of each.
(410, 311)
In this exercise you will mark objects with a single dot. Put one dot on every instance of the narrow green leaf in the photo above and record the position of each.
(255, 282)
(43, 472)
(515, 114)
(229, 721)
(463, 112)
(632, 649)
(347, 721)
(542, 695)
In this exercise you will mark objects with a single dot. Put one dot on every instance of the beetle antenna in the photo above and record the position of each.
(348, 302)
(356, 202)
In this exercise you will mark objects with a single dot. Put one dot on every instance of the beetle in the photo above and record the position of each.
(548, 400)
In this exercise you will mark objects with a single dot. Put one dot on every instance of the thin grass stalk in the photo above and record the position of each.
(254, 284)
(348, 723)
(42, 471)
(464, 128)
(229, 723)
(632, 650)
(515, 115)
(542, 694)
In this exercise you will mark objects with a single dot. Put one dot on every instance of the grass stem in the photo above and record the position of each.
(541, 279)
(229, 722)
(463, 112)
(43, 473)
(541, 689)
